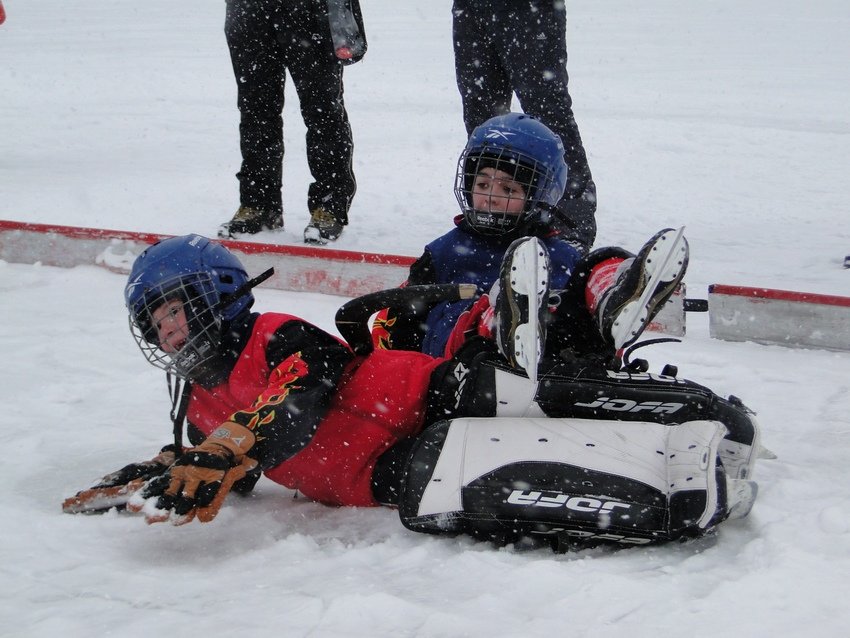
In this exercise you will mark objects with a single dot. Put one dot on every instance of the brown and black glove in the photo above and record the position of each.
(202, 477)
(116, 488)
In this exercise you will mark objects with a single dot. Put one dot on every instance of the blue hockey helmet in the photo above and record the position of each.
(526, 149)
(209, 282)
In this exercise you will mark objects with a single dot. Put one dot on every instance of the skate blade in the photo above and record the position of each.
(664, 264)
(526, 348)
(530, 270)
(766, 454)
(529, 281)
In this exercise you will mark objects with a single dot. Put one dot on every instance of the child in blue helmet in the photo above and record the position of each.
(509, 179)
(264, 392)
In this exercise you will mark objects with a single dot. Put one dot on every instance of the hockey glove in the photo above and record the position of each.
(116, 488)
(144, 470)
(202, 478)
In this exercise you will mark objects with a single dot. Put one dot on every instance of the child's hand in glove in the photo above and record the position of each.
(201, 478)
(145, 469)
(116, 488)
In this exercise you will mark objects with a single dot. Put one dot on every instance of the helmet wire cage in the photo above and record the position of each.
(522, 169)
(199, 300)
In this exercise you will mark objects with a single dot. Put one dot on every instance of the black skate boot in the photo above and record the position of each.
(521, 304)
(643, 285)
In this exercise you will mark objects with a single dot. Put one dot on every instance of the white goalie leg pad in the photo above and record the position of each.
(739, 459)
(692, 462)
(592, 477)
(515, 396)
(475, 447)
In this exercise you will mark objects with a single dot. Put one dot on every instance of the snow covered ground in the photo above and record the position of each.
(728, 117)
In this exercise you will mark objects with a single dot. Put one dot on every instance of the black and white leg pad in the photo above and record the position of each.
(495, 390)
(503, 478)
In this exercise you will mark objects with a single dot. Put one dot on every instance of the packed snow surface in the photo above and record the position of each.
(728, 117)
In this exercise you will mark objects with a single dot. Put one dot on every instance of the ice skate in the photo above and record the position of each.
(642, 287)
(521, 304)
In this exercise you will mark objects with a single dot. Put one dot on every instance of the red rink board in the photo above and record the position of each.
(782, 317)
(297, 268)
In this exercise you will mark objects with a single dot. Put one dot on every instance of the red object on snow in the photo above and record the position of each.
(2, 13)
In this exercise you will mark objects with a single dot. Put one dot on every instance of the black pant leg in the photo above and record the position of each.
(260, 74)
(535, 53)
(483, 83)
(531, 37)
(317, 77)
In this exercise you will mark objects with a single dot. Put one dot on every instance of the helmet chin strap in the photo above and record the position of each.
(244, 289)
(179, 406)
(538, 221)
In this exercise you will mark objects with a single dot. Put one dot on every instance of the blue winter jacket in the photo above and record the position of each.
(461, 256)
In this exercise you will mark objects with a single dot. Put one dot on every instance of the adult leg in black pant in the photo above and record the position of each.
(260, 73)
(266, 39)
(504, 47)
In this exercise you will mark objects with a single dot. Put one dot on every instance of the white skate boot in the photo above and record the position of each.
(521, 304)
